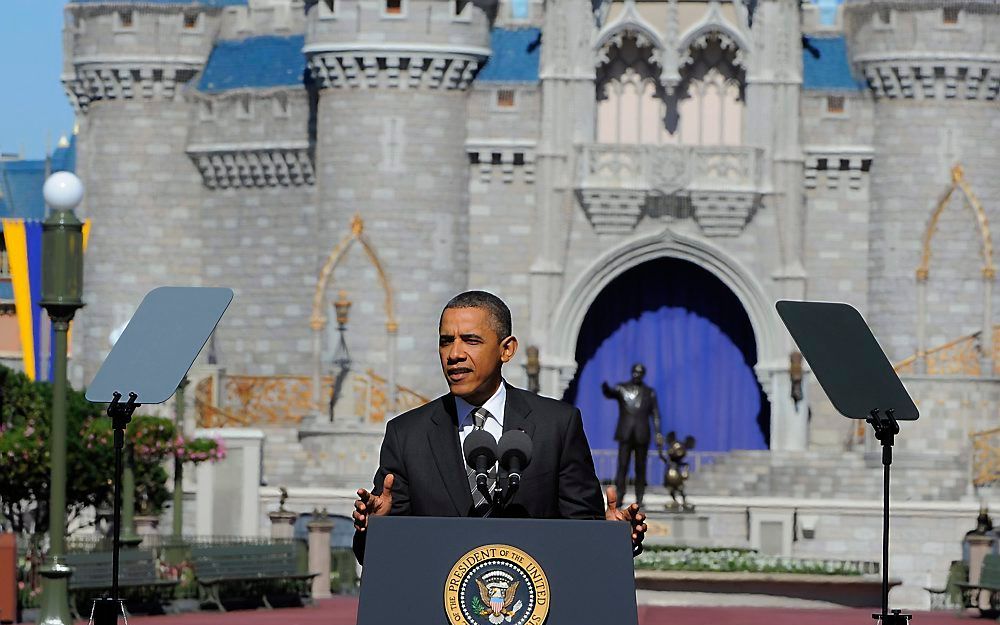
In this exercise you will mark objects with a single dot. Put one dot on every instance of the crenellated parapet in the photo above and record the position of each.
(126, 80)
(242, 165)
(134, 50)
(927, 50)
(396, 44)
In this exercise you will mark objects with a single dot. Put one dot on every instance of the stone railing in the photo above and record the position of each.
(372, 401)
(285, 400)
(965, 355)
(723, 183)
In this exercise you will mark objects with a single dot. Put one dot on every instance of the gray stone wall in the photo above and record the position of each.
(425, 21)
(932, 113)
(95, 32)
(489, 121)
(144, 198)
(271, 117)
(398, 160)
(911, 171)
(852, 127)
(266, 245)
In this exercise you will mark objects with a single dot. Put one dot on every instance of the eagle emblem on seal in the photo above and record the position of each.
(496, 591)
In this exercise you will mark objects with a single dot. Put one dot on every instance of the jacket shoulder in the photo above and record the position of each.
(417, 417)
(545, 405)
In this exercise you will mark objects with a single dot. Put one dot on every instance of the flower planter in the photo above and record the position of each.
(852, 591)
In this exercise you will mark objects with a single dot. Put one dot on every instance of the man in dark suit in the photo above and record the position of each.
(421, 469)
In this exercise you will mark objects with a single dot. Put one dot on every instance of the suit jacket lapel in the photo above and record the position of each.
(516, 411)
(444, 442)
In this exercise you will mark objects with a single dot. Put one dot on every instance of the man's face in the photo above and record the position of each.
(638, 372)
(472, 353)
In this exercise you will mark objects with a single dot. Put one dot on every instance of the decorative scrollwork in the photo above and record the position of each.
(985, 457)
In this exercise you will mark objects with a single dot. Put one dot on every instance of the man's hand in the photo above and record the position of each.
(631, 514)
(369, 504)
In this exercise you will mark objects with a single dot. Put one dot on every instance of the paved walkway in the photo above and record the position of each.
(340, 611)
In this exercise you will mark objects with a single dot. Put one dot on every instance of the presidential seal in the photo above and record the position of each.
(496, 584)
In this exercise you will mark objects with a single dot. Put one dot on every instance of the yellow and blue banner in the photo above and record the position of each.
(23, 240)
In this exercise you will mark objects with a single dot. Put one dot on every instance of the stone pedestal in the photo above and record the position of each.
(146, 524)
(673, 528)
(282, 523)
(319, 554)
(226, 501)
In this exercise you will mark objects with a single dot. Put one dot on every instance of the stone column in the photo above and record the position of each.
(979, 546)
(227, 499)
(319, 554)
(282, 523)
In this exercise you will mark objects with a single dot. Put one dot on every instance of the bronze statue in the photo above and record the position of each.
(636, 404)
(678, 470)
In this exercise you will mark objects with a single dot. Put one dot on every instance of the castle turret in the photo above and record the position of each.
(933, 68)
(393, 77)
(125, 64)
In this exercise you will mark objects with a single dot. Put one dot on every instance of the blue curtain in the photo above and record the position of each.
(695, 339)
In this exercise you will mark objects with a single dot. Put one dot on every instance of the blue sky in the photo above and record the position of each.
(32, 101)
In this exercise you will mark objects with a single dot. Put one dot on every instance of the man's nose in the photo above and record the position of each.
(456, 353)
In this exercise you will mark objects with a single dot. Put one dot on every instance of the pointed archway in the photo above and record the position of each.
(697, 344)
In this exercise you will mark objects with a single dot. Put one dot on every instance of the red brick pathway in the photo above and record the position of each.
(343, 612)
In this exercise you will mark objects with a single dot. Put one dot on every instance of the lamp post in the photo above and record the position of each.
(342, 357)
(177, 530)
(62, 292)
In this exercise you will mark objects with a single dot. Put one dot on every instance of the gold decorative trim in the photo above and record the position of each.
(958, 182)
(985, 457)
(318, 320)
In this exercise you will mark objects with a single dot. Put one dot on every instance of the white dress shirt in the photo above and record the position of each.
(495, 406)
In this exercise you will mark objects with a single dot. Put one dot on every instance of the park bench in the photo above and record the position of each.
(989, 582)
(137, 579)
(251, 569)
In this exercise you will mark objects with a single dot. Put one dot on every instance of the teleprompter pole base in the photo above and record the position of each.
(107, 610)
(895, 617)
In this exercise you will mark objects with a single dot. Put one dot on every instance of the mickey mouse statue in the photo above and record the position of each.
(677, 471)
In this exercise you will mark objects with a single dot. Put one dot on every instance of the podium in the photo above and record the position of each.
(460, 571)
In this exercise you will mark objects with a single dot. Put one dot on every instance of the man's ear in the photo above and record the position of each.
(508, 347)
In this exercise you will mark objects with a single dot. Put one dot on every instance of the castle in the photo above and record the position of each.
(368, 159)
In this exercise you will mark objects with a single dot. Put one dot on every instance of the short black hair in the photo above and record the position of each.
(499, 313)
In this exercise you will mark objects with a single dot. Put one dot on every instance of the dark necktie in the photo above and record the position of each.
(479, 503)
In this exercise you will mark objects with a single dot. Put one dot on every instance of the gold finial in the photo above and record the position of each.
(63, 142)
(989, 272)
(357, 225)
(922, 274)
(957, 174)
(392, 327)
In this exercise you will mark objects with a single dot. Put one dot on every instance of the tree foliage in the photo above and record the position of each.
(25, 436)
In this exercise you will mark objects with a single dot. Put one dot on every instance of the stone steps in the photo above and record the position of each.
(830, 475)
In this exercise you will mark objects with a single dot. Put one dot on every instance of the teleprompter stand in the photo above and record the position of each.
(861, 383)
(148, 361)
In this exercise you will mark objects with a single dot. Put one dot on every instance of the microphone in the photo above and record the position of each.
(515, 455)
(480, 449)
